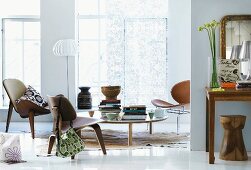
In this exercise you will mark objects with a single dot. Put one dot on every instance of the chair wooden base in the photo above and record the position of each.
(31, 120)
(9, 117)
(99, 135)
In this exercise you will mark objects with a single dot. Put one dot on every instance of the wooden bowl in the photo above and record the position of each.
(110, 92)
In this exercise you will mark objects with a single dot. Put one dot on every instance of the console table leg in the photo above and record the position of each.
(207, 124)
(130, 134)
(211, 130)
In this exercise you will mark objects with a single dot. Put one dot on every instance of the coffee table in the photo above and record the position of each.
(129, 122)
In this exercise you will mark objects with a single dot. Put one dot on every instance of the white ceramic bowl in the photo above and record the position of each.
(159, 113)
(112, 116)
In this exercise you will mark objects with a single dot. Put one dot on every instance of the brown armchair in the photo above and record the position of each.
(68, 114)
(26, 109)
(180, 92)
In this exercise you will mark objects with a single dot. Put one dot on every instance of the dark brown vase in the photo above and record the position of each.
(84, 98)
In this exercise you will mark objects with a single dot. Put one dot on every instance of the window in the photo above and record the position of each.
(20, 42)
(21, 51)
(124, 43)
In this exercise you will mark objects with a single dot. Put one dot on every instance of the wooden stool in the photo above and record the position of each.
(232, 147)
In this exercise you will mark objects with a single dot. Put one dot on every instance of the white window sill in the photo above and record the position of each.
(3, 108)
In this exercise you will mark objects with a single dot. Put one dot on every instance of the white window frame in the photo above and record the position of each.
(22, 18)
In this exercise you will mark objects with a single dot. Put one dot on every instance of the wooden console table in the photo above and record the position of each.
(211, 98)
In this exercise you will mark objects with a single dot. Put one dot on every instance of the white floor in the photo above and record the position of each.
(154, 158)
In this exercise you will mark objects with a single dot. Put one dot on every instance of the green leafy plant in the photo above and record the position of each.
(210, 28)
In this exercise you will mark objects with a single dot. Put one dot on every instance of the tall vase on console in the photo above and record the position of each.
(214, 82)
(84, 98)
(210, 28)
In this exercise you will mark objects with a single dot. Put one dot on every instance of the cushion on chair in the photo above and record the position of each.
(34, 96)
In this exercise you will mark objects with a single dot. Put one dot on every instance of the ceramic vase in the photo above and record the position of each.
(84, 98)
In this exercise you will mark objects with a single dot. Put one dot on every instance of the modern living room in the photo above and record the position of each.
(145, 48)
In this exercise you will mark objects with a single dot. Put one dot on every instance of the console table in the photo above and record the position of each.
(211, 98)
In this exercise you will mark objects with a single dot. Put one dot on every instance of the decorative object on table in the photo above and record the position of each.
(10, 148)
(210, 28)
(159, 113)
(134, 112)
(244, 57)
(109, 106)
(233, 147)
(111, 92)
(84, 98)
(65, 48)
(229, 72)
(243, 85)
(112, 116)
(151, 114)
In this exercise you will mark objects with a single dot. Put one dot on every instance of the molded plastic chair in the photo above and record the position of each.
(26, 109)
(181, 94)
(68, 114)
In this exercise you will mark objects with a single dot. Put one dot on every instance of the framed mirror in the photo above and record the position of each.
(235, 29)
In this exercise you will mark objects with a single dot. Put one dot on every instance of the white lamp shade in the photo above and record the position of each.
(245, 50)
(66, 47)
(235, 52)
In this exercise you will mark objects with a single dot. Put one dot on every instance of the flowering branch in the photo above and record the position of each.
(210, 28)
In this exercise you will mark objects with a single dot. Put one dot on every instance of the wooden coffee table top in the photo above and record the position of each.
(97, 114)
(147, 120)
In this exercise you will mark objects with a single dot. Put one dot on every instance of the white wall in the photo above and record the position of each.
(57, 22)
(205, 11)
(179, 46)
(179, 41)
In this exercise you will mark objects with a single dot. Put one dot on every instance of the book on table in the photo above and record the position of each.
(113, 101)
(243, 85)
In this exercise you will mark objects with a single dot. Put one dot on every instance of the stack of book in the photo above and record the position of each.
(110, 106)
(243, 85)
(134, 112)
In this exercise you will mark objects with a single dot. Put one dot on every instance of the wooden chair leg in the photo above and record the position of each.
(52, 139)
(9, 117)
(99, 135)
(31, 119)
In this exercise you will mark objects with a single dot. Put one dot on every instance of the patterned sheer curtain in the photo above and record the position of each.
(135, 50)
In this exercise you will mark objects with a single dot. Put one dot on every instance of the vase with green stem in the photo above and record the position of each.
(210, 28)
